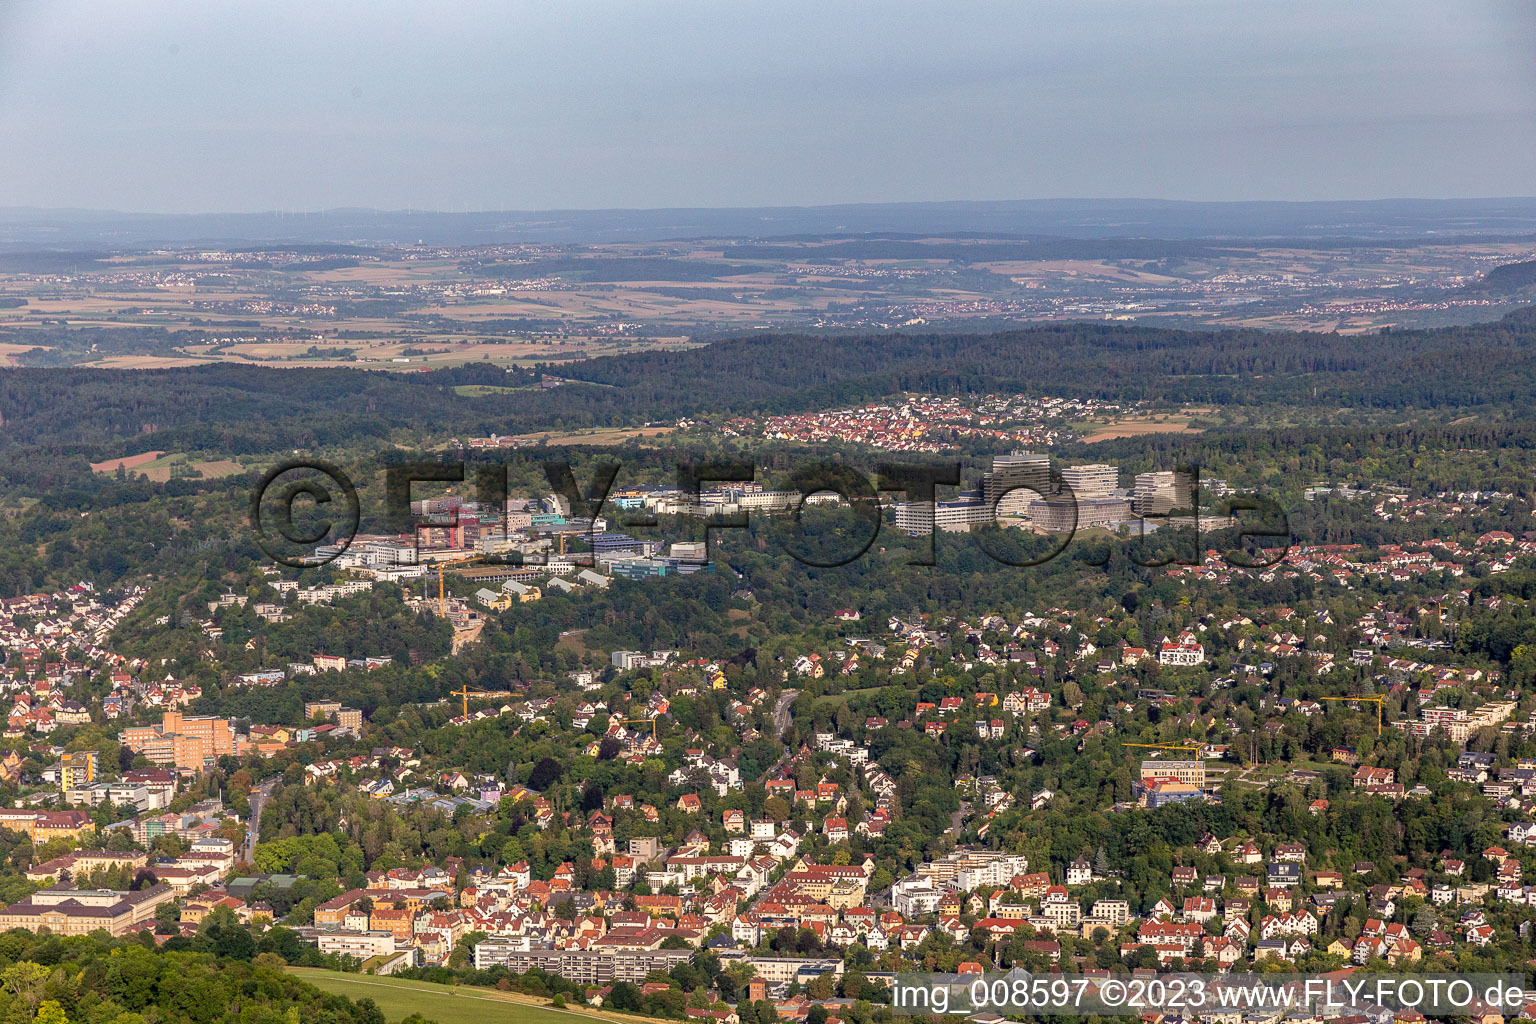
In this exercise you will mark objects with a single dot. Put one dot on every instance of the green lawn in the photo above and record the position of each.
(830, 699)
(442, 1003)
(481, 390)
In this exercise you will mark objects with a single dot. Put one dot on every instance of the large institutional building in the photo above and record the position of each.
(1095, 480)
(1016, 480)
(920, 518)
(65, 910)
(186, 741)
(1157, 494)
(1058, 515)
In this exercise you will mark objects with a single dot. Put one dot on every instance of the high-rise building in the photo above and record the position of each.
(76, 769)
(1015, 481)
(1095, 480)
(1158, 493)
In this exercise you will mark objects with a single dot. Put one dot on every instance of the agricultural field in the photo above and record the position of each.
(411, 308)
(159, 467)
(603, 437)
(1138, 427)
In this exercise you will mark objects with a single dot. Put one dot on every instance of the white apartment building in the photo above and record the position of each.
(361, 945)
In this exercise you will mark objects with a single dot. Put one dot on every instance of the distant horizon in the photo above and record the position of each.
(1312, 221)
(1064, 200)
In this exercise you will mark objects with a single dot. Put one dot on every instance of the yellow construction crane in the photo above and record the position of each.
(466, 693)
(442, 601)
(1166, 746)
(1380, 702)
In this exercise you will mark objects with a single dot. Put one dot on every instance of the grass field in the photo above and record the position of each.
(446, 1004)
(573, 642)
(597, 436)
(481, 390)
(831, 699)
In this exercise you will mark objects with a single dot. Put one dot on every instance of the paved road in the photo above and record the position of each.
(781, 720)
(957, 820)
(259, 797)
(781, 716)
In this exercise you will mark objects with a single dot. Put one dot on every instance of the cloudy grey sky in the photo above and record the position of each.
(196, 106)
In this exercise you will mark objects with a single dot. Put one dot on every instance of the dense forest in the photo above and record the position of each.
(1507, 279)
(1486, 367)
(221, 975)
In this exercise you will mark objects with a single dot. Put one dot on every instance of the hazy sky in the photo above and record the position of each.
(199, 106)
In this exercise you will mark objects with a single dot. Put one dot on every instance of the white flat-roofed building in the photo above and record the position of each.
(359, 945)
(1114, 911)
(766, 501)
(122, 794)
(1060, 515)
(1097, 479)
(920, 518)
(584, 966)
(1016, 479)
(915, 897)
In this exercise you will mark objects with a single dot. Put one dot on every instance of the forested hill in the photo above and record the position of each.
(1508, 278)
(245, 409)
(1461, 366)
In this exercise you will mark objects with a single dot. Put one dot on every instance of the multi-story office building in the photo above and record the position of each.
(1091, 481)
(1157, 494)
(920, 518)
(120, 794)
(190, 742)
(1059, 514)
(1015, 480)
